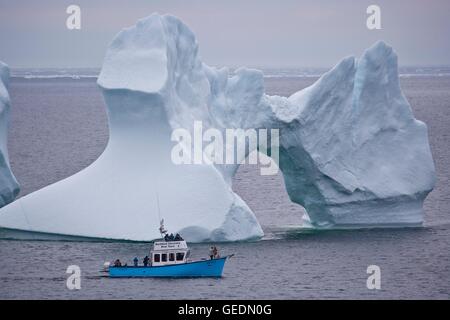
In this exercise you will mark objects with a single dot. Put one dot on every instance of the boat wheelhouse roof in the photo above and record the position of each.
(169, 245)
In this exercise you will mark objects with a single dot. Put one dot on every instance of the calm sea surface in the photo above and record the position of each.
(59, 126)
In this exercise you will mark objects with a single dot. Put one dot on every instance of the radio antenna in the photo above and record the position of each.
(162, 231)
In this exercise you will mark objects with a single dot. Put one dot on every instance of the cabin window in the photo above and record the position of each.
(164, 257)
(180, 256)
(171, 256)
(156, 257)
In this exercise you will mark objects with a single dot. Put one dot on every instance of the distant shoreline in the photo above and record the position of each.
(314, 72)
(313, 76)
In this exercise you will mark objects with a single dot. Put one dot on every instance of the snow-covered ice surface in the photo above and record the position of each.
(351, 151)
(9, 188)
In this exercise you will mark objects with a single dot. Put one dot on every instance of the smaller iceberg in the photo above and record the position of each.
(352, 153)
(9, 188)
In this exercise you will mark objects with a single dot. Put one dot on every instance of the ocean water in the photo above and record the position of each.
(59, 126)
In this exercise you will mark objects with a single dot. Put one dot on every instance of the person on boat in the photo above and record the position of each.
(215, 252)
(211, 253)
(117, 263)
(166, 237)
(178, 237)
(145, 261)
(135, 260)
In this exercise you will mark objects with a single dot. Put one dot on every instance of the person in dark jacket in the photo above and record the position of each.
(216, 253)
(178, 237)
(145, 261)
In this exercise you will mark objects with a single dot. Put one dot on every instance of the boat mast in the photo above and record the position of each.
(162, 231)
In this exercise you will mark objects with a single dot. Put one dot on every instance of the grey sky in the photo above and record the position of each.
(303, 33)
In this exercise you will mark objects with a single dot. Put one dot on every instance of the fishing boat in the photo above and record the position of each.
(170, 258)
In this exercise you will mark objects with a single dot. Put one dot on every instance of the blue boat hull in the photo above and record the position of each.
(203, 268)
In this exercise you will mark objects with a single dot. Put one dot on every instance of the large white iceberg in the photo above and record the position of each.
(9, 188)
(350, 150)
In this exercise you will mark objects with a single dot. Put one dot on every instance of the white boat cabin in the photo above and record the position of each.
(169, 252)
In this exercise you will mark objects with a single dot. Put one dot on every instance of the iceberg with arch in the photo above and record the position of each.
(351, 152)
(9, 188)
